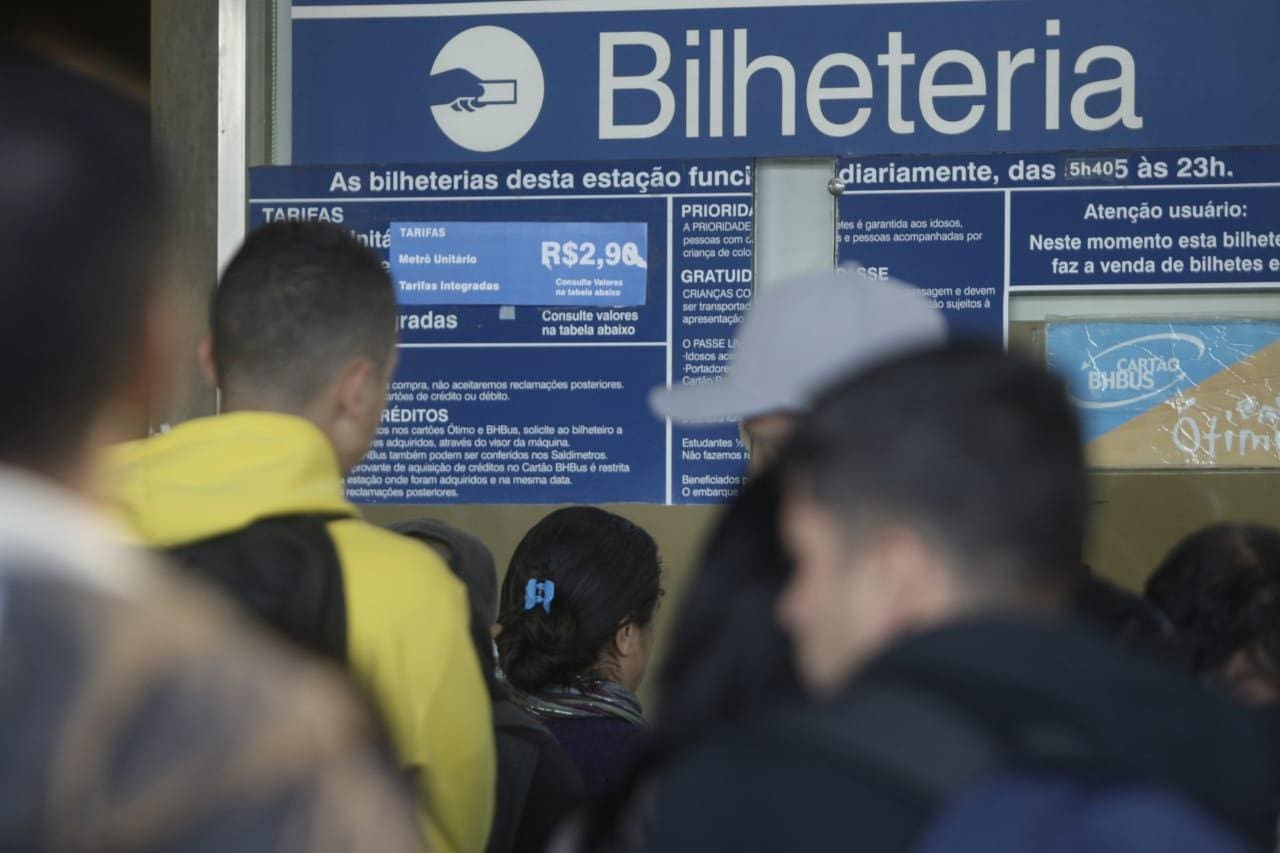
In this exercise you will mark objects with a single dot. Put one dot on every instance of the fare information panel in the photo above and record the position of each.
(539, 305)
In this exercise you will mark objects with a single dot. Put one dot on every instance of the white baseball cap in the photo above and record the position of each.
(801, 336)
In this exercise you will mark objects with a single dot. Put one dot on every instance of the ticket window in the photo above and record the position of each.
(799, 241)
(1148, 495)
(1140, 510)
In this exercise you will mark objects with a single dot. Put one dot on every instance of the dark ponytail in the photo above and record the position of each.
(606, 574)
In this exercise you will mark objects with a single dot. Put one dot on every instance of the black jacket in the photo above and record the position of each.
(1045, 697)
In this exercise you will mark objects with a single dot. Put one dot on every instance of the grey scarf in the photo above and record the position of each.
(586, 697)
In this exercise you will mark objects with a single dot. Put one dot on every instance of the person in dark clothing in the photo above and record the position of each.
(934, 510)
(790, 782)
(1220, 588)
(727, 659)
(1124, 617)
(538, 784)
(575, 628)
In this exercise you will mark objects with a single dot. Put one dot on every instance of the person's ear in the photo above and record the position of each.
(358, 387)
(909, 579)
(627, 641)
(208, 367)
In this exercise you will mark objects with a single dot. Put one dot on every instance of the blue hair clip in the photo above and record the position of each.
(539, 592)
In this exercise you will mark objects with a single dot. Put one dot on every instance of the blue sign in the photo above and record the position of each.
(1183, 393)
(1212, 220)
(519, 263)
(518, 425)
(949, 246)
(968, 229)
(614, 79)
(535, 392)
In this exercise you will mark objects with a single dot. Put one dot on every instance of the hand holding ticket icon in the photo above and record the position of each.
(465, 92)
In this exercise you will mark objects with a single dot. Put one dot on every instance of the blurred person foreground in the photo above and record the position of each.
(136, 712)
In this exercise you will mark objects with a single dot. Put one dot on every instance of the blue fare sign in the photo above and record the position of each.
(520, 263)
(613, 79)
(560, 295)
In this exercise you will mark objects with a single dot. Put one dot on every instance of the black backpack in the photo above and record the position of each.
(283, 569)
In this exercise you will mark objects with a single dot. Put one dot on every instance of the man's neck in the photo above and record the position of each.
(232, 404)
(233, 401)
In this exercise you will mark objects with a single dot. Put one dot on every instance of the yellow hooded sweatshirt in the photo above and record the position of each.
(407, 615)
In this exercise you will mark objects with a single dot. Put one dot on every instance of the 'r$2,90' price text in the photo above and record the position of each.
(567, 253)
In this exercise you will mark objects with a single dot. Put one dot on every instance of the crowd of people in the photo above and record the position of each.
(890, 641)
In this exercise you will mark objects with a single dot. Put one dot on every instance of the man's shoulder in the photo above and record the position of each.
(763, 746)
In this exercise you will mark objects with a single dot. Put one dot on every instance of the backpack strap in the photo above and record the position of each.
(286, 571)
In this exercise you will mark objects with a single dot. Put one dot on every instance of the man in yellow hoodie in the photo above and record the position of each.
(302, 348)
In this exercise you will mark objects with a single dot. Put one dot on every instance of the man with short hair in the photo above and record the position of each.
(302, 347)
(934, 510)
(798, 337)
(136, 712)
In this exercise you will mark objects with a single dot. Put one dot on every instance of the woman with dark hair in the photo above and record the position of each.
(1220, 588)
(575, 630)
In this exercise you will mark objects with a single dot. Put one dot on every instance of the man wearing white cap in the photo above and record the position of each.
(797, 338)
